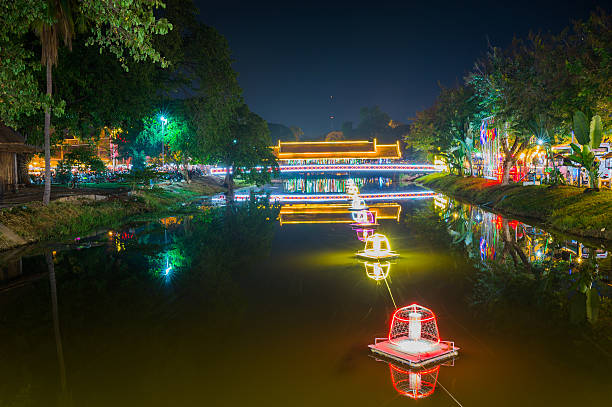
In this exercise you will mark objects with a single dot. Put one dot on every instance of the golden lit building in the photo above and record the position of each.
(335, 152)
(104, 147)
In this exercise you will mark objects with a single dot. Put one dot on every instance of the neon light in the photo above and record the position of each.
(348, 167)
(358, 204)
(377, 247)
(413, 338)
(414, 330)
(363, 234)
(414, 326)
(364, 218)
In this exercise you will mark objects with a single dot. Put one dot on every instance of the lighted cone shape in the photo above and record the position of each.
(352, 190)
(377, 247)
(357, 204)
(416, 384)
(377, 271)
(362, 234)
(414, 339)
(364, 218)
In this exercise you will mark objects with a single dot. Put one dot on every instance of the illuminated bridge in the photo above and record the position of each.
(339, 157)
(335, 168)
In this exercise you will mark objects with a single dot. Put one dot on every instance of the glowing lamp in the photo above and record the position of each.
(358, 204)
(414, 339)
(352, 189)
(363, 234)
(414, 326)
(364, 218)
(377, 271)
(377, 247)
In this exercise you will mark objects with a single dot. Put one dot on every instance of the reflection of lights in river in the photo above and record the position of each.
(363, 234)
(416, 384)
(377, 271)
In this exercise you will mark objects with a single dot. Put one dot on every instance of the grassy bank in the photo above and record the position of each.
(567, 209)
(60, 220)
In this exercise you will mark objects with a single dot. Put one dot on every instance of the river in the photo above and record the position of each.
(268, 305)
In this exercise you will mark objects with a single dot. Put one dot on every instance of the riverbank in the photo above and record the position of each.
(564, 208)
(69, 218)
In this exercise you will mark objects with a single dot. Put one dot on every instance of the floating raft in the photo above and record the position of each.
(437, 353)
(364, 254)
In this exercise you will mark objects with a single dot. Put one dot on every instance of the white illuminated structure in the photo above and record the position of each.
(364, 218)
(358, 204)
(414, 339)
(377, 248)
(377, 271)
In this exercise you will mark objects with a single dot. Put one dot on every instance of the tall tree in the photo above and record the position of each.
(243, 148)
(123, 27)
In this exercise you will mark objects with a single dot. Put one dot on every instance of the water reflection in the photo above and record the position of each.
(334, 213)
(377, 271)
(491, 236)
(332, 185)
(524, 261)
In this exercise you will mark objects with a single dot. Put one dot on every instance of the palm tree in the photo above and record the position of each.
(58, 23)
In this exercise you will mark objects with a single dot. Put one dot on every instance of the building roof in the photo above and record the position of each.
(13, 142)
(309, 150)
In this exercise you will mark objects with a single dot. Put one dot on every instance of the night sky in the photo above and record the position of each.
(292, 57)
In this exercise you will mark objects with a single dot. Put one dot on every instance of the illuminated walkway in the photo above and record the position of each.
(346, 168)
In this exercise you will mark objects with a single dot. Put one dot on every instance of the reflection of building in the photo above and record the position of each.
(333, 213)
(328, 152)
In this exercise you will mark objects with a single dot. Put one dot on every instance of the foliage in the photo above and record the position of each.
(124, 27)
(176, 133)
(84, 159)
(589, 137)
(529, 89)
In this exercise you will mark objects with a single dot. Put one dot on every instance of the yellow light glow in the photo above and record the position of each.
(377, 271)
(377, 247)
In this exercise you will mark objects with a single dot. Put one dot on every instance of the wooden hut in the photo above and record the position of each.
(14, 155)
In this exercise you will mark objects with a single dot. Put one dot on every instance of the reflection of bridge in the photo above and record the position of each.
(335, 168)
(333, 213)
(298, 198)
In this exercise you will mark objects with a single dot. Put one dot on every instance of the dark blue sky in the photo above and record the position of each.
(292, 57)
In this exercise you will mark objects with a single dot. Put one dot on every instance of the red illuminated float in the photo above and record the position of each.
(414, 339)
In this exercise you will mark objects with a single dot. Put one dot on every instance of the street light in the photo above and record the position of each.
(163, 122)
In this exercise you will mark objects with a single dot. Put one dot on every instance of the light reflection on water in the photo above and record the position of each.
(281, 295)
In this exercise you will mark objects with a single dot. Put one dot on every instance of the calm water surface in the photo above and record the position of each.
(223, 308)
